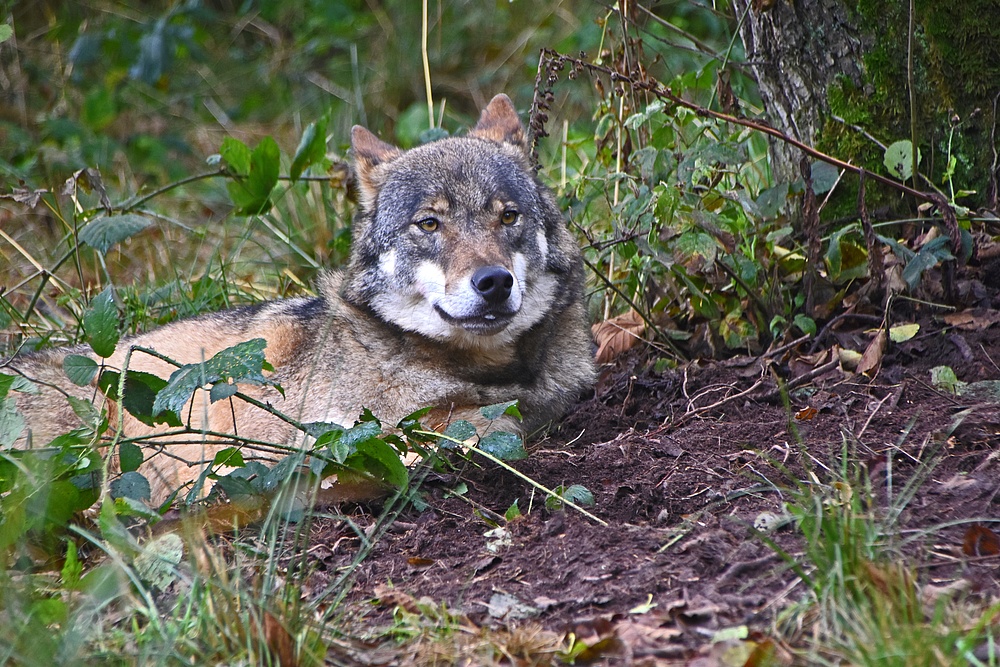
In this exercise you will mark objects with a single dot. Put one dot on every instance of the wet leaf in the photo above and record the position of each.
(503, 445)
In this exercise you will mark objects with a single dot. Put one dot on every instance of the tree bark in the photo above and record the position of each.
(796, 51)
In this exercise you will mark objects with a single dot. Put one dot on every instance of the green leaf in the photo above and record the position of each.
(100, 324)
(497, 410)
(140, 394)
(944, 378)
(221, 391)
(236, 155)
(230, 456)
(504, 446)
(389, 466)
(10, 383)
(130, 485)
(79, 369)
(158, 561)
(312, 147)
(824, 176)
(130, 456)
(770, 201)
(899, 159)
(6, 32)
(103, 233)
(512, 512)
(11, 423)
(251, 188)
(576, 494)
(460, 430)
(805, 324)
(903, 332)
(242, 363)
(72, 567)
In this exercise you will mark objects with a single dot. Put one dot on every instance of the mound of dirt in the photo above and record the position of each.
(681, 465)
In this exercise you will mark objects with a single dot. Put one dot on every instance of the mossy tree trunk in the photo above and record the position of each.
(834, 74)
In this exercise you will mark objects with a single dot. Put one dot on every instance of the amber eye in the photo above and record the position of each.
(428, 224)
(509, 217)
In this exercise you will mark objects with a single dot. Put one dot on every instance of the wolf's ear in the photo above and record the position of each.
(499, 122)
(369, 152)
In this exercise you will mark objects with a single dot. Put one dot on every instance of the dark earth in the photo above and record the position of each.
(681, 464)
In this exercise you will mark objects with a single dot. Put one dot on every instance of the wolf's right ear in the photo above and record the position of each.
(369, 152)
(499, 122)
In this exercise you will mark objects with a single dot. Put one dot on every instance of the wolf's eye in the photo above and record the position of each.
(428, 224)
(509, 217)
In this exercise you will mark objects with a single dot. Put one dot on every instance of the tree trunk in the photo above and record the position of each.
(796, 51)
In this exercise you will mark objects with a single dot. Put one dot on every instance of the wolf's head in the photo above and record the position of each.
(457, 240)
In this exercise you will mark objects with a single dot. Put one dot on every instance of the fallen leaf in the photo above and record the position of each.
(806, 413)
(871, 360)
(417, 561)
(980, 541)
(974, 319)
(617, 335)
(903, 332)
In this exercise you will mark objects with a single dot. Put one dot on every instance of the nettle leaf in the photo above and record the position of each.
(140, 394)
(100, 323)
(103, 233)
(254, 177)
(242, 363)
(312, 147)
(129, 456)
(503, 445)
(80, 369)
(498, 410)
(130, 485)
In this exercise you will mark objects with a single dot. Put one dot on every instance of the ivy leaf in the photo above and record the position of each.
(104, 232)
(312, 147)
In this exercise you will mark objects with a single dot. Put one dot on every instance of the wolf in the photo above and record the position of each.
(464, 288)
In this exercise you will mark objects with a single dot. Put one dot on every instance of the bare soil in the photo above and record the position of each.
(679, 484)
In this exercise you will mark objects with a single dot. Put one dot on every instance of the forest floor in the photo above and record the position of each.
(682, 464)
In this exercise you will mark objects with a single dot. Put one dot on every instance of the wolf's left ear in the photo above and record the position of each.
(499, 122)
(369, 152)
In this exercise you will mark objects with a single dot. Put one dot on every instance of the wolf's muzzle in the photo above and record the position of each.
(493, 283)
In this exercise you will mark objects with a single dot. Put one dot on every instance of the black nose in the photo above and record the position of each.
(493, 283)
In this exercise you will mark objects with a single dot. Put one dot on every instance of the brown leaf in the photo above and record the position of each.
(279, 642)
(980, 541)
(871, 360)
(617, 335)
(393, 597)
(974, 319)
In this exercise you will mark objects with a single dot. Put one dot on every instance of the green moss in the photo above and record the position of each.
(956, 75)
